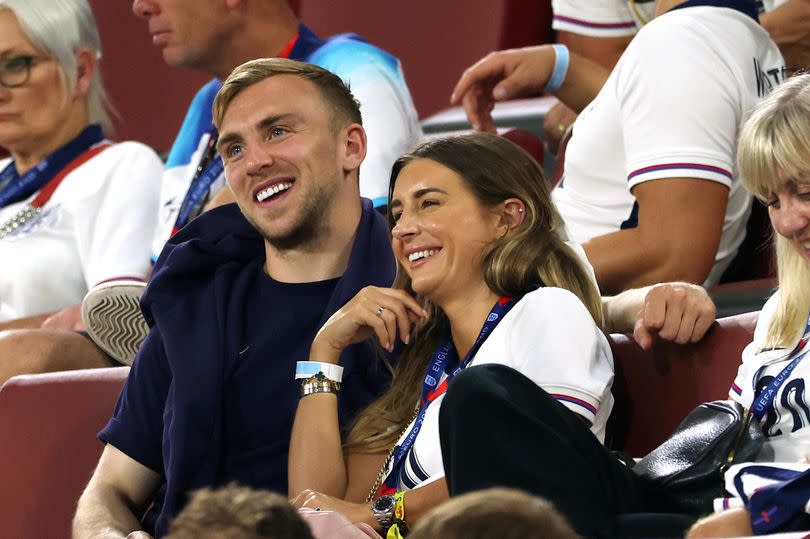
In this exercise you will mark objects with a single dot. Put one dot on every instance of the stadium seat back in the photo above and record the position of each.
(48, 446)
(656, 389)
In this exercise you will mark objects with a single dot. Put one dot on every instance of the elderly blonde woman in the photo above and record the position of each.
(75, 208)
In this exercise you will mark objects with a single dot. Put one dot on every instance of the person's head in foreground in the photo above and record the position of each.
(496, 512)
(50, 87)
(292, 141)
(235, 512)
(471, 221)
(774, 161)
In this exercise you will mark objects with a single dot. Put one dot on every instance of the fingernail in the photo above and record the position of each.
(499, 93)
(407, 339)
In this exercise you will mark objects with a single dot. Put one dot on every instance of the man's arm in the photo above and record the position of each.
(605, 51)
(118, 492)
(680, 221)
(789, 26)
(679, 312)
(514, 73)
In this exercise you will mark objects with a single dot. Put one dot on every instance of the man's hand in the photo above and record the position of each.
(69, 319)
(555, 124)
(731, 523)
(679, 312)
(500, 76)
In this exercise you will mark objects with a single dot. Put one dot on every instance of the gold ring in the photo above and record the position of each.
(561, 127)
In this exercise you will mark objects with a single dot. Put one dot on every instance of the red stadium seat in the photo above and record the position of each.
(528, 141)
(655, 390)
(48, 446)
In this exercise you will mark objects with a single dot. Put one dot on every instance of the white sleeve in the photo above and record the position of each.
(116, 224)
(680, 106)
(556, 343)
(605, 18)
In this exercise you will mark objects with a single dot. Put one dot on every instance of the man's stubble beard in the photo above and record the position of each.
(311, 223)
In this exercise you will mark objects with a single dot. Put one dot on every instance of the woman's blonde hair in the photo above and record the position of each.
(775, 143)
(59, 28)
(529, 256)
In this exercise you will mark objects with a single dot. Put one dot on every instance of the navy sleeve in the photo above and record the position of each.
(782, 506)
(136, 427)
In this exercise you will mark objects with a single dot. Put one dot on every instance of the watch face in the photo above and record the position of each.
(384, 503)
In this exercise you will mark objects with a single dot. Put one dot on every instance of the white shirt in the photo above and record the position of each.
(786, 428)
(550, 337)
(611, 18)
(96, 226)
(672, 108)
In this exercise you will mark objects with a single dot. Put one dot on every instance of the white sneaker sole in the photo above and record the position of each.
(112, 315)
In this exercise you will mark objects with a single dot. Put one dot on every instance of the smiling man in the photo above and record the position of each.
(236, 299)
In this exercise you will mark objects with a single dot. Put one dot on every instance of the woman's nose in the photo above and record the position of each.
(790, 218)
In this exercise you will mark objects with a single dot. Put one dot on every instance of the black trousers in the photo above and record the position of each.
(498, 428)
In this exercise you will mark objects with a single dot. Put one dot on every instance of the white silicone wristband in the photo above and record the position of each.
(308, 369)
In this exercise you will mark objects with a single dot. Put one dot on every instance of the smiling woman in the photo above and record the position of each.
(75, 209)
(483, 277)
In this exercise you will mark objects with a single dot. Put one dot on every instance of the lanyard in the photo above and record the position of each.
(764, 399)
(431, 389)
(208, 170)
(14, 187)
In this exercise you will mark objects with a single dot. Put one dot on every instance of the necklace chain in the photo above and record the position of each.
(381, 476)
(27, 214)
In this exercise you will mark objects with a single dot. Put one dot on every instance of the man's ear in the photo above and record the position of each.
(86, 65)
(354, 150)
(512, 214)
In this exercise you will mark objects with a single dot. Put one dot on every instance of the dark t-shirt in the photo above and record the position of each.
(260, 394)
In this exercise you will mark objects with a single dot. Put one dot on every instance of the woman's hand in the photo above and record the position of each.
(373, 311)
(355, 512)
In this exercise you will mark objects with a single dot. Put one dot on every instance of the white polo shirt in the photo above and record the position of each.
(96, 226)
(672, 108)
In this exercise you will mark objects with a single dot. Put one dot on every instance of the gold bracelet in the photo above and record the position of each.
(319, 384)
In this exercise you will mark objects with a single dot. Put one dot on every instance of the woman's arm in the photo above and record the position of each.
(417, 502)
(316, 453)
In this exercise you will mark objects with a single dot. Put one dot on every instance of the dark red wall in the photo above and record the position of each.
(435, 40)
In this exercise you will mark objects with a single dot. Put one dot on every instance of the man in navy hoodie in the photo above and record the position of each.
(235, 300)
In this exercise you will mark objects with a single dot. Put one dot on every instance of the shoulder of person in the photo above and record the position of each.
(553, 302)
(138, 153)
(344, 56)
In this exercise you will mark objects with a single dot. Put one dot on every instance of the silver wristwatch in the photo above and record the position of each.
(383, 510)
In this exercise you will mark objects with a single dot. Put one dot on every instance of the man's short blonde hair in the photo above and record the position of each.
(345, 108)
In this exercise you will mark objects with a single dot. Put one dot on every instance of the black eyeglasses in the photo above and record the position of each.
(16, 71)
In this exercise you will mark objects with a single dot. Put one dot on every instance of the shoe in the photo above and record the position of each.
(112, 314)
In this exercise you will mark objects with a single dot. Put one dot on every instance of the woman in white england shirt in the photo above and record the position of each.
(75, 209)
(474, 234)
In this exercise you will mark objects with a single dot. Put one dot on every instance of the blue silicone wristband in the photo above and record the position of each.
(562, 59)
